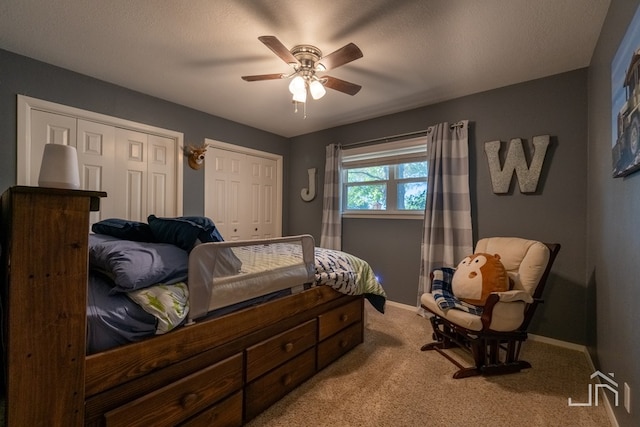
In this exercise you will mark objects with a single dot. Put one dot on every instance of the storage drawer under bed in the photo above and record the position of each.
(272, 352)
(182, 399)
(334, 347)
(339, 318)
(269, 388)
(227, 413)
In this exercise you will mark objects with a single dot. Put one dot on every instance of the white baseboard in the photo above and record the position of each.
(552, 341)
(558, 343)
(403, 306)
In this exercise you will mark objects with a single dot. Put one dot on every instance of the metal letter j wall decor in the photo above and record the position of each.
(515, 160)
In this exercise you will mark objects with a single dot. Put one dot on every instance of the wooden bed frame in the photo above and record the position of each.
(221, 371)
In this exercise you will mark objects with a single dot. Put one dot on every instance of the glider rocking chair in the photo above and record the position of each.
(494, 338)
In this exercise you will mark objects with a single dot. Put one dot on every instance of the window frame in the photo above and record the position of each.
(386, 154)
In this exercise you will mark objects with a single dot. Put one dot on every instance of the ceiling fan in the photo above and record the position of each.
(307, 60)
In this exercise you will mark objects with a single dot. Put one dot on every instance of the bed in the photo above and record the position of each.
(227, 356)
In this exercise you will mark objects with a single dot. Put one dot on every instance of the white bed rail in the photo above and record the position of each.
(225, 273)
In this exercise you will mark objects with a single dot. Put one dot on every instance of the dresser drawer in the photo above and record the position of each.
(337, 345)
(227, 413)
(339, 318)
(182, 399)
(268, 389)
(270, 353)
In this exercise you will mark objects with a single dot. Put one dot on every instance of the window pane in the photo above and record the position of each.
(412, 195)
(367, 197)
(412, 170)
(371, 173)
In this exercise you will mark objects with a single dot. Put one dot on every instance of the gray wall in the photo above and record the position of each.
(24, 76)
(613, 267)
(556, 106)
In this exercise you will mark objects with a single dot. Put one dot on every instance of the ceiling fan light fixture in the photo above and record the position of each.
(297, 85)
(317, 89)
(300, 96)
(307, 60)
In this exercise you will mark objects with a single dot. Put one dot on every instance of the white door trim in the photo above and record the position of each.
(26, 104)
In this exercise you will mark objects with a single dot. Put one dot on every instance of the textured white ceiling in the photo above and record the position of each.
(416, 52)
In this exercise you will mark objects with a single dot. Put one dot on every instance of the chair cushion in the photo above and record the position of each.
(525, 260)
(507, 316)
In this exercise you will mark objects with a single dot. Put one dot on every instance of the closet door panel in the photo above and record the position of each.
(269, 184)
(96, 149)
(261, 199)
(224, 188)
(47, 128)
(131, 175)
(162, 176)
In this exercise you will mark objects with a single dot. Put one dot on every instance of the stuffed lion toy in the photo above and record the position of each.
(477, 276)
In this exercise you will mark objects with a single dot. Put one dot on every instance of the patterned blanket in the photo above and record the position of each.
(349, 275)
(443, 295)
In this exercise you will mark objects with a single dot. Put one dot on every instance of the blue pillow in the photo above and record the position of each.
(124, 229)
(136, 265)
(184, 231)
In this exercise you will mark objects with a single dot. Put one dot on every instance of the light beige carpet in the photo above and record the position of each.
(388, 381)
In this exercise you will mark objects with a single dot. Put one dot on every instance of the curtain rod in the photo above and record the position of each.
(398, 136)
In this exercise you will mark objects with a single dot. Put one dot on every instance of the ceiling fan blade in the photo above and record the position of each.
(263, 77)
(279, 49)
(345, 54)
(341, 85)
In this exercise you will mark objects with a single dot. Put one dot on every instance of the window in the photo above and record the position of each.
(385, 179)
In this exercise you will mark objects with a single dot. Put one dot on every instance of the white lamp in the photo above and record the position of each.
(317, 89)
(300, 96)
(297, 85)
(59, 168)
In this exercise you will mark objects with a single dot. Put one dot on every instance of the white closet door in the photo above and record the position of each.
(161, 164)
(242, 194)
(96, 148)
(225, 179)
(261, 197)
(47, 128)
(139, 166)
(130, 198)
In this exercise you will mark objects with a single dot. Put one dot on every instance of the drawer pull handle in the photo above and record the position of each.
(286, 380)
(189, 399)
(344, 343)
(288, 347)
(344, 317)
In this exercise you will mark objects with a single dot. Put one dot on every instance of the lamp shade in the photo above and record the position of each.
(59, 168)
(300, 96)
(317, 89)
(297, 85)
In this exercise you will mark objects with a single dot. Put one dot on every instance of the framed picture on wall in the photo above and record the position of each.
(625, 102)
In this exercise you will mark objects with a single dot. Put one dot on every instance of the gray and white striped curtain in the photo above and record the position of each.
(331, 235)
(447, 231)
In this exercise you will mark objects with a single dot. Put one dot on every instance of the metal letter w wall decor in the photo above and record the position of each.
(515, 160)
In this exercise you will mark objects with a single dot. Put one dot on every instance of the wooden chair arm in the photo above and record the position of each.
(487, 312)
